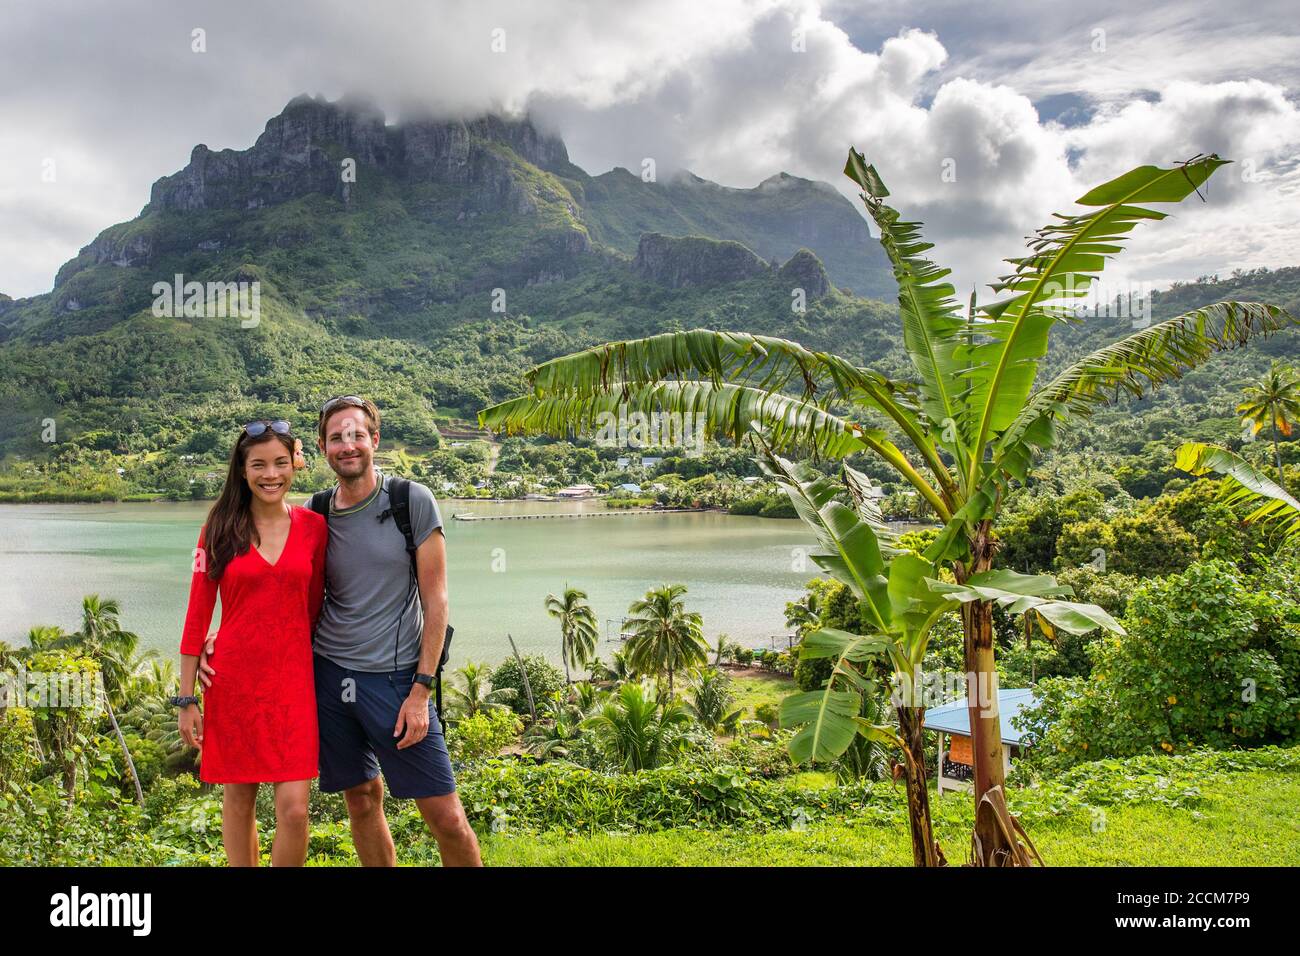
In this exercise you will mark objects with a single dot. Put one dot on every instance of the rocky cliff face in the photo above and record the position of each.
(695, 261)
(302, 151)
(805, 271)
(681, 261)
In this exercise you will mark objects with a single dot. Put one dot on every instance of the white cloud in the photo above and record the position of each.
(115, 94)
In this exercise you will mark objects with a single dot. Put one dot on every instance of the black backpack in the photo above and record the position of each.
(399, 506)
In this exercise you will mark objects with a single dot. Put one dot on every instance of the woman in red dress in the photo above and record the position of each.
(266, 560)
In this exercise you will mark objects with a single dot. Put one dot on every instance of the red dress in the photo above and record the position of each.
(259, 715)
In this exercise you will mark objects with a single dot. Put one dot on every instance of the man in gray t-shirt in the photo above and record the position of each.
(372, 619)
(378, 640)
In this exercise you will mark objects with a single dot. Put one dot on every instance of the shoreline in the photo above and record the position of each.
(302, 498)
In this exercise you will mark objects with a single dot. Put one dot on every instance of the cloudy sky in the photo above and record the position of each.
(1026, 105)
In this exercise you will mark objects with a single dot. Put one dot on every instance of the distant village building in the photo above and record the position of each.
(630, 486)
(650, 462)
(576, 491)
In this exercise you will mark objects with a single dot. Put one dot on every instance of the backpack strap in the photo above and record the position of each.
(320, 503)
(399, 502)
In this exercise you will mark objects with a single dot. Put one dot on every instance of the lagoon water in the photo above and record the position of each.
(739, 570)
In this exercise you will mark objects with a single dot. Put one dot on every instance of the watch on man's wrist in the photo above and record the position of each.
(425, 679)
(182, 701)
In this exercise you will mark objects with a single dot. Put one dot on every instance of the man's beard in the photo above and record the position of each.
(350, 467)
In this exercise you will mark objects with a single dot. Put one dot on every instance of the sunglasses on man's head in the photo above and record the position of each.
(340, 401)
(279, 426)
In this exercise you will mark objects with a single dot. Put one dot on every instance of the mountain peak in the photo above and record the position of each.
(303, 147)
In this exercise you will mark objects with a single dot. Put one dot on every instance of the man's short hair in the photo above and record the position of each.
(335, 405)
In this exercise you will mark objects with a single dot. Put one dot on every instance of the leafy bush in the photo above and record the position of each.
(1210, 658)
(508, 795)
(17, 749)
(1146, 543)
(484, 735)
(1028, 535)
(1108, 589)
(544, 678)
(37, 826)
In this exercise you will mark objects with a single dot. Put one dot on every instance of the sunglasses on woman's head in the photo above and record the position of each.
(279, 426)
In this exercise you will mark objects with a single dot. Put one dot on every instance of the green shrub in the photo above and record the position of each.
(509, 795)
(1145, 544)
(17, 749)
(1028, 535)
(544, 678)
(484, 735)
(1211, 658)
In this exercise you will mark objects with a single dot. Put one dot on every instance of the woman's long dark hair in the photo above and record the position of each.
(230, 529)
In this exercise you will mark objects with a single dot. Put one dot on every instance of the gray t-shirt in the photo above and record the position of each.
(371, 590)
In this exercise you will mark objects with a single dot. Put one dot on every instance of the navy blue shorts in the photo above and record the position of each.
(357, 712)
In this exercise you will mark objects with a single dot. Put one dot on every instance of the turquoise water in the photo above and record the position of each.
(739, 570)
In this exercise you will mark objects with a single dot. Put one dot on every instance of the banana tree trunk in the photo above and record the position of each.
(994, 841)
(925, 849)
(982, 697)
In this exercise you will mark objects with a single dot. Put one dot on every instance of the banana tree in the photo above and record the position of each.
(902, 597)
(971, 413)
(1244, 484)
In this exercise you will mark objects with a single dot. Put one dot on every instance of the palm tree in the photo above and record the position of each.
(477, 696)
(42, 637)
(665, 637)
(970, 413)
(578, 628)
(1273, 398)
(804, 613)
(614, 674)
(558, 727)
(102, 638)
(724, 649)
(154, 676)
(711, 695)
(634, 733)
(585, 695)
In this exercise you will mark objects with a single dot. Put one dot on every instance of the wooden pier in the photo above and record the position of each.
(463, 516)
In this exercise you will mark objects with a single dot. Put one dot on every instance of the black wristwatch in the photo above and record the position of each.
(425, 679)
(182, 701)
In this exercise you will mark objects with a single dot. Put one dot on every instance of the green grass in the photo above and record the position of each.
(753, 692)
(1247, 820)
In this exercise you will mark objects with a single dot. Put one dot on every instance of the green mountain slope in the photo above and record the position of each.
(460, 254)
(428, 263)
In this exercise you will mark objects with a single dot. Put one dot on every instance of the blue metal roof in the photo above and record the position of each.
(954, 717)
